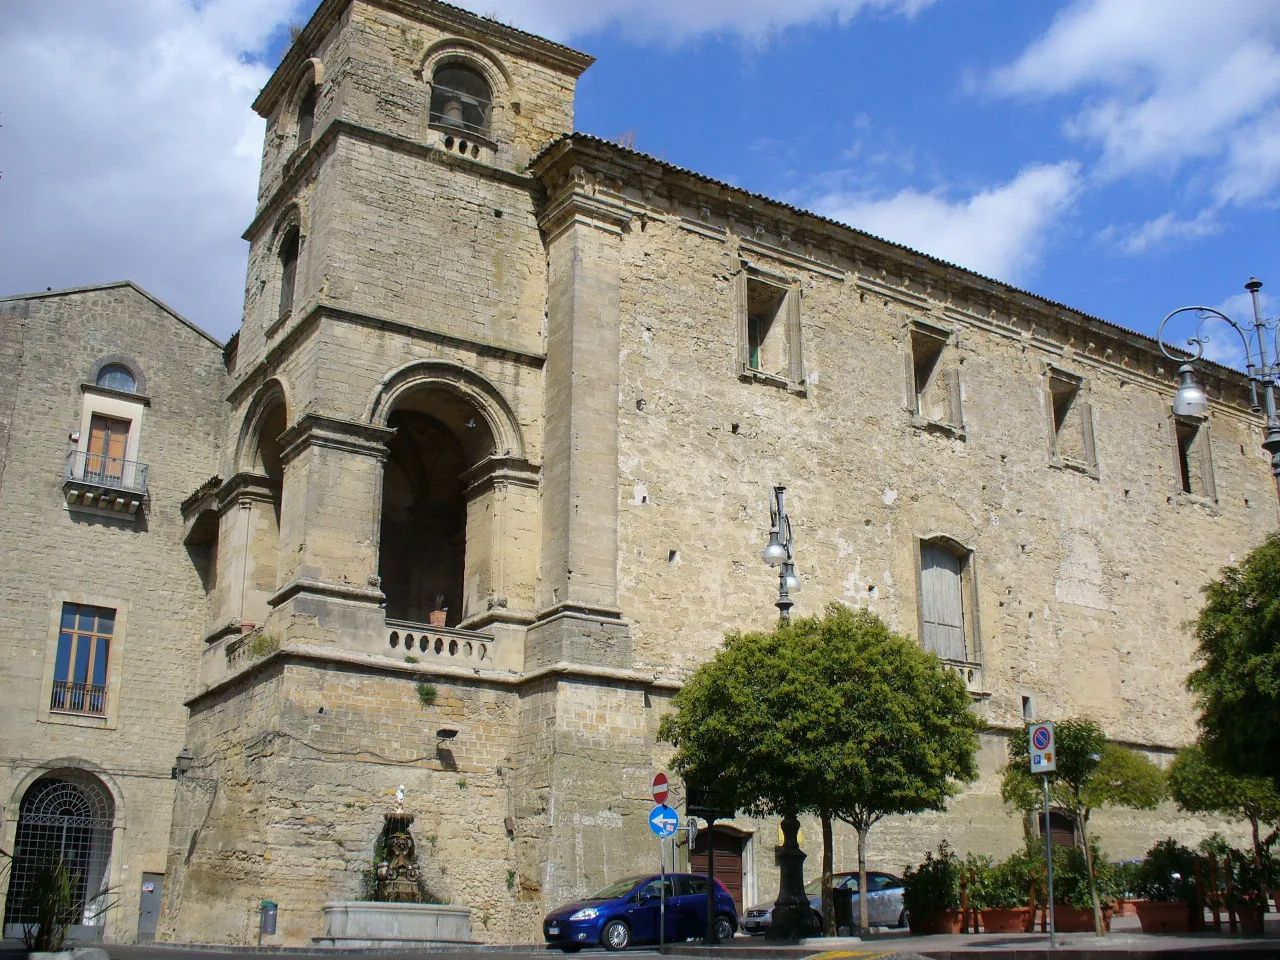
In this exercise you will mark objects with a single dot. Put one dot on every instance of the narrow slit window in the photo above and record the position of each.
(306, 115)
(288, 270)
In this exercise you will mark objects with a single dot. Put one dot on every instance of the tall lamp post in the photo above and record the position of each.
(780, 553)
(1262, 368)
(792, 917)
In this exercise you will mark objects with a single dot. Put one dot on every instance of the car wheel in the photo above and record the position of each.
(724, 928)
(904, 918)
(616, 935)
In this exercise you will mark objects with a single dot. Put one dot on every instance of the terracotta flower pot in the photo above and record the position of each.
(1251, 924)
(1124, 908)
(945, 921)
(436, 618)
(1078, 919)
(1005, 919)
(1159, 917)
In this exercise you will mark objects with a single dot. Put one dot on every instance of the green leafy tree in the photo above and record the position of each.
(837, 716)
(1091, 773)
(1237, 685)
(1199, 786)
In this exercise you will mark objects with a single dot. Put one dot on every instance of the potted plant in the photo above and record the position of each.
(1166, 884)
(1002, 893)
(1247, 896)
(1072, 901)
(931, 893)
(1126, 886)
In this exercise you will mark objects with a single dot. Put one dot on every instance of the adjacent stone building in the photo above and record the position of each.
(492, 477)
(110, 415)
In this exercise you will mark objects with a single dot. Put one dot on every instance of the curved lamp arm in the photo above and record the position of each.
(1205, 314)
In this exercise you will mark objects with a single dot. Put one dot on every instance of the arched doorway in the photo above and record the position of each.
(422, 556)
(67, 816)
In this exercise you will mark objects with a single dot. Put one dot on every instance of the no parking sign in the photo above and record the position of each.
(1043, 754)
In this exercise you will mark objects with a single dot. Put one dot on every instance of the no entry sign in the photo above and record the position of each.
(660, 788)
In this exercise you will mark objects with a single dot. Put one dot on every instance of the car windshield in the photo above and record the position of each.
(617, 889)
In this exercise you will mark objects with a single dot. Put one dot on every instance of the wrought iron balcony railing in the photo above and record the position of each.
(108, 473)
(71, 697)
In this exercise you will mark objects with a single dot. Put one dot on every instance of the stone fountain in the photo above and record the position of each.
(402, 913)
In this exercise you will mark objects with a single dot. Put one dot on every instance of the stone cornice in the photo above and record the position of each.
(245, 486)
(315, 430)
(448, 18)
(302, 164)
(652, 189)
(323, 310)
(321, 655)
(575, 199)
(495, 471)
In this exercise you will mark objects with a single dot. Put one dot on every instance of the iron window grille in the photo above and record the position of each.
(65, 817)
(460, 99)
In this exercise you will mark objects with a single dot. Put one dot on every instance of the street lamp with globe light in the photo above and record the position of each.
(780, 553)
(1262, 369)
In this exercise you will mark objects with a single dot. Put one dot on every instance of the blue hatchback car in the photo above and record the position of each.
(627, 912)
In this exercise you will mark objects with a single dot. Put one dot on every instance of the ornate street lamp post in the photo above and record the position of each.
(1262, 368)
(792, 917)
(780, 553)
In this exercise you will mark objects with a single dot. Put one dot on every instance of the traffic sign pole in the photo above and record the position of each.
(662, 893)
(1048, 840)
(1044, 761)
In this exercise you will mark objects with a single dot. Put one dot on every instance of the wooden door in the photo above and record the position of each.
(728, 861)
(108, 441)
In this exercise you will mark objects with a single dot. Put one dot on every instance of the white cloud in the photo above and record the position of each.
(131, 151)
(1164, 229)
(999, 231)
(1164, 83)
(676, 21)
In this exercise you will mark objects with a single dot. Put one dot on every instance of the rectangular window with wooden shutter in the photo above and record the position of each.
(942, 602)
(1195, 458)
(108, 441)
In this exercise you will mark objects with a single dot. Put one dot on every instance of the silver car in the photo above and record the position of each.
(884, 902)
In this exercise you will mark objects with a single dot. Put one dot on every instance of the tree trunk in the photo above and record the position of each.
(1082, 818)
(863, 911)
(828, 866)
(1257, 858)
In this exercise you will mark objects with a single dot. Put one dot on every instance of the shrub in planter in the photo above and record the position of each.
(1073, 904)
(1002, 892)
(931, 891)
(1166, 883)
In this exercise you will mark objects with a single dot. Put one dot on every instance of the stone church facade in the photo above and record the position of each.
(485, 475)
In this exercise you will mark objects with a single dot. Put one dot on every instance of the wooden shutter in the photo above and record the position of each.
(108, 441)
(942, 602)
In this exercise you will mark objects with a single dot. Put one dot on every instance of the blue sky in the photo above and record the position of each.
(1121, 156)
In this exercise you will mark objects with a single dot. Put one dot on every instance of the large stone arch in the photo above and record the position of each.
(271, 394)
(464, 383)
(455, 540)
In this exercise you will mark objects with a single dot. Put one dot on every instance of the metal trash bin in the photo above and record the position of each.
(267, 923)
(842, 904)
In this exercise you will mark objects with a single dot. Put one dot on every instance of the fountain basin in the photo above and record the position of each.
(357, 924)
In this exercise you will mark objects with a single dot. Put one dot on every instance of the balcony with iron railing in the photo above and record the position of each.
(71, 697)
(105, 483)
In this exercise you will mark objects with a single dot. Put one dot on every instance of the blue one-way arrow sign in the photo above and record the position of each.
(663, 820)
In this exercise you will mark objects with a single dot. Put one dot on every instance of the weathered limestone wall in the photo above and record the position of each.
(138, 566)
(1083, 583)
